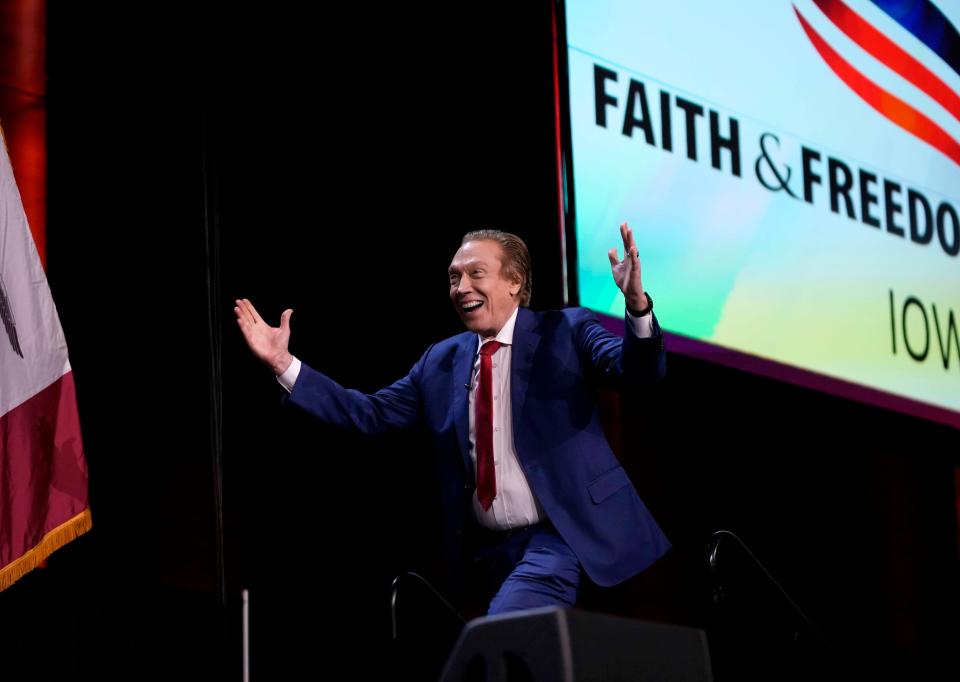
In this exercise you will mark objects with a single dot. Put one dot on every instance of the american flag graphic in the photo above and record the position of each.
(901, 57)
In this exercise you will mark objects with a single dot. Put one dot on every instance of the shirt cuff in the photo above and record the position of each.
(642, 327)
(289, 376)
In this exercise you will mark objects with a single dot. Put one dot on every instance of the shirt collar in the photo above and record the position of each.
(506, 333)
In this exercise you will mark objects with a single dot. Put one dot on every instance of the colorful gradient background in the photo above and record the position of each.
(728, 261)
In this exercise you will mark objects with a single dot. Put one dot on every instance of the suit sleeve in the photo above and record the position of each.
(396, 406)
(630, 362)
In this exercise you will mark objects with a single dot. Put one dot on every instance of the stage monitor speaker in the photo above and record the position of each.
(567, 645)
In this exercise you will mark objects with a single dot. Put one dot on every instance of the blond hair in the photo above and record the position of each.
(515, 262)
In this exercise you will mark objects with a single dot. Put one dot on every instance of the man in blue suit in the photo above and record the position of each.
(532, 494)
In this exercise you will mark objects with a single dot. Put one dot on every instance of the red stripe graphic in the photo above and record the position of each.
(889, 106)
(43, 482)
(891, 54)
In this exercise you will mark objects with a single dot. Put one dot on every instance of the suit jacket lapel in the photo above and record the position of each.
(459, 400)
(525, 341)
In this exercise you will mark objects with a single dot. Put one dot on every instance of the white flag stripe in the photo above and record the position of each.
(28, 295)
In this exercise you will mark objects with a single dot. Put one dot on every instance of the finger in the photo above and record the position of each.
(285, 319)
(245, 330)
(254, 315)
(240, 320)
(612, 255)
(242, 315)
(629, 242)
(623, 234)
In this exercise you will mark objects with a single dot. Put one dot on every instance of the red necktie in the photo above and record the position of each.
(483, 423)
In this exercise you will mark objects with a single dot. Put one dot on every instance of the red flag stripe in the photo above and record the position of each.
(43, 483)
(890, 54)
(889, 105)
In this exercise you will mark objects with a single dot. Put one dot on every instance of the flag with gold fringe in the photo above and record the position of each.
(43, 473)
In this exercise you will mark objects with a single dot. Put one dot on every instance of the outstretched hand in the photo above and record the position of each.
(267, 343)
(626, 272)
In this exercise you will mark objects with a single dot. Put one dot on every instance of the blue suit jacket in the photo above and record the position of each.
(559, 357)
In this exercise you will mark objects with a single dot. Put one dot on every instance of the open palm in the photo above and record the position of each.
(626, 272)
(267, 343)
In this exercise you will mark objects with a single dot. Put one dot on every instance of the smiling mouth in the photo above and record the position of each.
(471, 306)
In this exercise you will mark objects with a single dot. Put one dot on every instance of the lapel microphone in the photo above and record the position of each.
(469, 386)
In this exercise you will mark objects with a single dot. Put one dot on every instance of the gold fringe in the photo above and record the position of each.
(50, 543)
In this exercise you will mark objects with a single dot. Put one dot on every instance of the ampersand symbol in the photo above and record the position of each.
(782, 182)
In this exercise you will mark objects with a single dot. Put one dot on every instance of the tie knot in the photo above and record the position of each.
(489, 348)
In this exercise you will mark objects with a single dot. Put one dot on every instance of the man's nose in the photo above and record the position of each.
(464, 286)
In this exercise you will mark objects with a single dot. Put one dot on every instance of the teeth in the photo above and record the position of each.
(472, 305)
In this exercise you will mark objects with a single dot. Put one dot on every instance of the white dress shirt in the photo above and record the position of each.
(515, 504)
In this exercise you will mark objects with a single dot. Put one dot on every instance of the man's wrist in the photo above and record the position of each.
(282, 363)
(640, 306)
(290, 375)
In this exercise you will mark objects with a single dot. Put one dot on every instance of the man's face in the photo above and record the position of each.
(478, 290)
